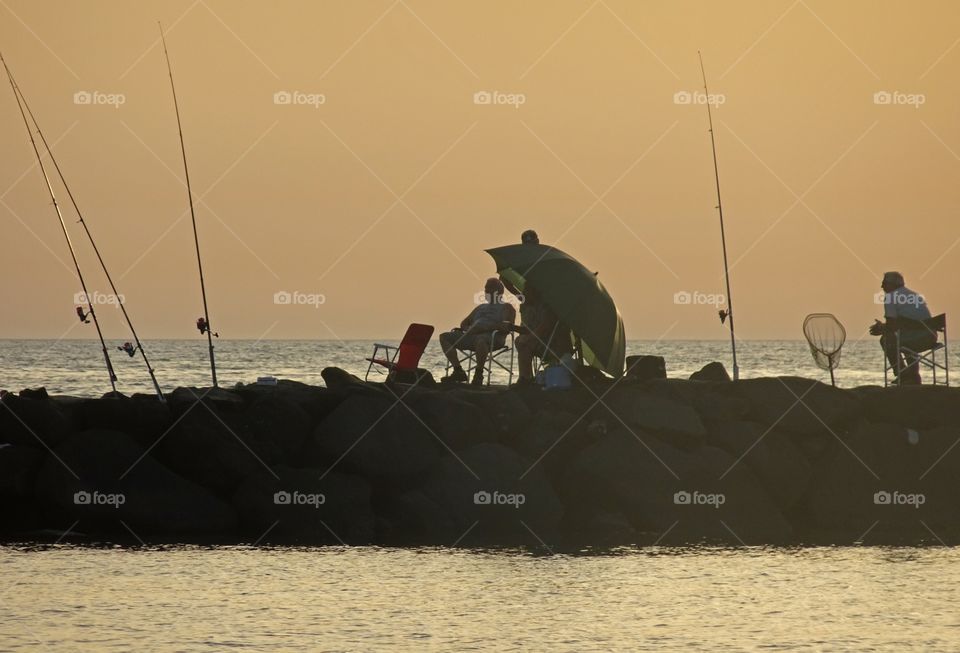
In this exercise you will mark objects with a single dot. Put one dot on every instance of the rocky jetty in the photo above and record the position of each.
(638, 461)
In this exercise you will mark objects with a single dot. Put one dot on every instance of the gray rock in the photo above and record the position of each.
(887, 458)
(779, 465)
(105, 479)
(490, 491)
(700, 495)
(305, 506)
(801, 406)
(375, 436)
(711, 372)
(670, 419)
(32, 422)
(646, 367)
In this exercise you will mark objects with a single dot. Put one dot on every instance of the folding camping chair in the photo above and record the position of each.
(926, 357)
(406, 356)
(501, 344)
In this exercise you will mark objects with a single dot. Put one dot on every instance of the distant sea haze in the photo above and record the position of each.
(75, 367)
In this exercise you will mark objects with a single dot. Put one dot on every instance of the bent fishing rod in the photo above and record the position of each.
(204, 326)
(93, 244)
(63, 226)
(728, 314)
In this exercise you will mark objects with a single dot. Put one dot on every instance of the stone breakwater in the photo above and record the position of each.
(762, 461)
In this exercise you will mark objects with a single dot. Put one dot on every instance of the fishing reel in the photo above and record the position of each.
(204, 327)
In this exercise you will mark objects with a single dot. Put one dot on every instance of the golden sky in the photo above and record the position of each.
(339, 150)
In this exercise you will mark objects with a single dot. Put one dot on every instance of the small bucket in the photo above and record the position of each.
(557, 377)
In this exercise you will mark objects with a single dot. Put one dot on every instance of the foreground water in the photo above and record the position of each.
(76, 366)
(367, 599)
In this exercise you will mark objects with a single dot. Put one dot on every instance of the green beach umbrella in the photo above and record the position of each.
(574, 294)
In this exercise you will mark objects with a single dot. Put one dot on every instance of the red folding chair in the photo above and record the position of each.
(406, 357)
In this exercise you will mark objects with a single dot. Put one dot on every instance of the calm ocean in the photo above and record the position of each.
(76, 367)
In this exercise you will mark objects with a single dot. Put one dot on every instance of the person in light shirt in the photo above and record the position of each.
(476, 332)
(904, 310)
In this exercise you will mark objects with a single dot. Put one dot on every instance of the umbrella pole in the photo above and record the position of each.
(723, 237)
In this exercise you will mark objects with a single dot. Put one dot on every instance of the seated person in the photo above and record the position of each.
(476, 332)
(904, 311)
(541, 334)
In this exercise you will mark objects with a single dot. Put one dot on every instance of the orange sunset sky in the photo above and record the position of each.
(347, 150)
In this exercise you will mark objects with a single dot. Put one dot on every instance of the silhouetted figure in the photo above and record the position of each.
(528, 237)
(476, 331)
(82, 315)
(904, 310)
(128, 348)
(541, 334)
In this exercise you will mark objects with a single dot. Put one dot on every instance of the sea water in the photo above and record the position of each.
(76, 367)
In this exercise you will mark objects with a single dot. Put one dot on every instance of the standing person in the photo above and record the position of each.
(528, 237)
(904, 310)
(476, 332)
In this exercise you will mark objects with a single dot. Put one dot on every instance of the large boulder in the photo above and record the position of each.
(32, 421)
(146, 418)
(802, 406)
(183, 399)
(670, 418)
(19, 467)
(917, 407)
(412, 518)
(457, 423)
(507, 411)
(714, 371)
(779, 465)
(217, 444)
(897, 483)
(305, 506)
(555, 438)
(315, 401)
(377, 436)
(686, 496)
(18, 471)
(491, 495)
(646, 367)
(110, 483)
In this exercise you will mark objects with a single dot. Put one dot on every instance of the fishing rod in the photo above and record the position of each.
(728, 313)
(203, 325)
(63, 226)
(103, 265)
